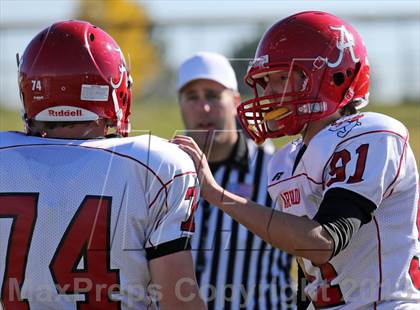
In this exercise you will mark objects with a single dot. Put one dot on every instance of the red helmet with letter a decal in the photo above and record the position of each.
(328, 57)
(73, 71)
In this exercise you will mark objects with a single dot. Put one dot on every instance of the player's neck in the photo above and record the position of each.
(89, 130)
(314, 127)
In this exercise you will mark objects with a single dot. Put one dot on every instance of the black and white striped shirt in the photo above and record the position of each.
(234, 268)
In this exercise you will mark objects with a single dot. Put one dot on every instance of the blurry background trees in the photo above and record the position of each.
(128, 23)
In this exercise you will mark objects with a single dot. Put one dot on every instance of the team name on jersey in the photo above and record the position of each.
(291, 197)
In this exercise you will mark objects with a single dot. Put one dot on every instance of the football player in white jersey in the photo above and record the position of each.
(347, 190)
(90, 221)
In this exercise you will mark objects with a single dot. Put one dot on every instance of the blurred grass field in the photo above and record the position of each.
(163, 119)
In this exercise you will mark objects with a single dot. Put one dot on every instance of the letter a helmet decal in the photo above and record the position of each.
(346, 42)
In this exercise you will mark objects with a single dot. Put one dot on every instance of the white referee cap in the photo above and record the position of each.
(209, 66)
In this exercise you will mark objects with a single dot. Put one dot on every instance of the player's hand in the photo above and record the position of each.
(208, 185)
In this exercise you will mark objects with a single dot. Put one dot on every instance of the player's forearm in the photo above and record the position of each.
(299, 236)
(186, 300)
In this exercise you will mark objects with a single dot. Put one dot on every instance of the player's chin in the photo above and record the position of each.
(222, 135)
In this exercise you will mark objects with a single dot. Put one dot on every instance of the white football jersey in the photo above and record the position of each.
(79, 219)
(368, 154)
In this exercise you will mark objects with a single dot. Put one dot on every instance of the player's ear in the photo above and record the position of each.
(236, 99)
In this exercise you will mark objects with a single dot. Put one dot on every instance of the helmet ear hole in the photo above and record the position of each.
(338, 78)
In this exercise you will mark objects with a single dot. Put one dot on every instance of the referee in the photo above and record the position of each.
(234, 268)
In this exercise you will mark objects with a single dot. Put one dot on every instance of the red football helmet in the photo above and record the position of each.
(73, 71)
(329, 56)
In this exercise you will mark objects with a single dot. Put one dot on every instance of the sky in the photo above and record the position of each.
(394, 46)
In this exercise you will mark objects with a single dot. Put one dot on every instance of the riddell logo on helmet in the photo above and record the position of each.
(55, 113)
(65, 114)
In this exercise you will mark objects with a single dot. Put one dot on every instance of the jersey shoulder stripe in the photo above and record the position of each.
(358, 125)
(163, 159)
